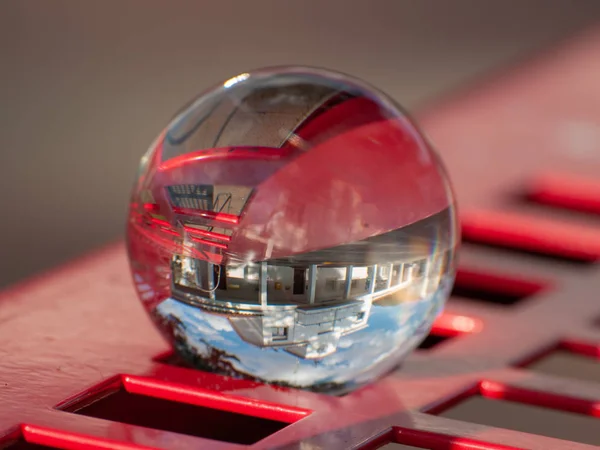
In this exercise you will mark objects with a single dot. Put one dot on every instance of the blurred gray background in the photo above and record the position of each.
(86, 86)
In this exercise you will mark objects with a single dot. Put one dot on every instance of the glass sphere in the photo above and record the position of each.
(291, 225)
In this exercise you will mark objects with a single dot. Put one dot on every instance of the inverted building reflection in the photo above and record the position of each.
(302, 309)
(304, 303)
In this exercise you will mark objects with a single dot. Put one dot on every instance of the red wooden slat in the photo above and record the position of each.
(208, 234)
(583, 348)
(501, 391)
(531, 233)
(244, 153)
(209, 215)
(448, 324)
(438, 441)
(209, 243)
(216, 400)
(40, 435)
(510, 284)
(566, 191)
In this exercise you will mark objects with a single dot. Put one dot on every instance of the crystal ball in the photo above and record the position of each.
(293, 226)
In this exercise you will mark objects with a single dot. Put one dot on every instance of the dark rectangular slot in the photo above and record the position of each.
(394, 446)
(508, 252)
(499, 288)
(22, 444)
(556, 211)
(482, 294)
(555, 193)
(532, 234)
(299, 281)
(160, 414)
(431, 341)
(564, 363)
(527, 418)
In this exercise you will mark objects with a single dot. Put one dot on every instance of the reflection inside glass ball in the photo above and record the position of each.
(293, 226)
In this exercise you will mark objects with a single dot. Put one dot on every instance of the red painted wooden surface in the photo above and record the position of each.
(77, 334)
